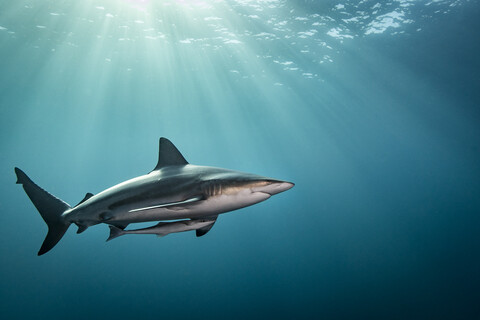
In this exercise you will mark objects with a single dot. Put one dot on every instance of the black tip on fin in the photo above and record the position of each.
(203, 231)
(120, 225)
(81, 229)
(168, 155)
(87, 196)
(21, 176)
(55, 233)
(200, 232)
(114, 232)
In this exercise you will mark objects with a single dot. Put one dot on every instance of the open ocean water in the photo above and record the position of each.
(370, 107)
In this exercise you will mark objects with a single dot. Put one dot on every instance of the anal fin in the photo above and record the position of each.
(81, 228)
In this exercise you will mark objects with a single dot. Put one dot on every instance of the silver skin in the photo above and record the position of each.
(165, 228)
(174, 192)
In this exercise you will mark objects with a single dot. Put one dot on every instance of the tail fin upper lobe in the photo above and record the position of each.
(50, 208)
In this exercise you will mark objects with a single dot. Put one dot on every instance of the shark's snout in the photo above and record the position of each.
(274, 187)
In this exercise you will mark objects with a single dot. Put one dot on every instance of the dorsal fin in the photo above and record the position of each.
(87, 196)
(168, 155)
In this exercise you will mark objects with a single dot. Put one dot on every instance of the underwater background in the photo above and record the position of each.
(370, 107)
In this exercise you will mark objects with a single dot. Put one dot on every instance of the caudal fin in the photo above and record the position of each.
(115, 232)
(50, 208)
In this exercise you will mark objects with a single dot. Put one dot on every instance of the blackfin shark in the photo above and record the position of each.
(174, 190)
(165, 228)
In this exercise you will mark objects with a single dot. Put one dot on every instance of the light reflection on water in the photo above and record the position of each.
(281, 32)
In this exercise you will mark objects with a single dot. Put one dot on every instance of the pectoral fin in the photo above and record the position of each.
(170, 204)
(203, 231)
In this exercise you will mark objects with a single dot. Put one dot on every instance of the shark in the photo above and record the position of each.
(173, 190)
(162, 229)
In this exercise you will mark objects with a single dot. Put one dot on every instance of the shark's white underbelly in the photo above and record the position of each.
(212, 206)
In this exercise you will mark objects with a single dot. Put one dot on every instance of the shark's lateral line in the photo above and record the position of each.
(174, 190)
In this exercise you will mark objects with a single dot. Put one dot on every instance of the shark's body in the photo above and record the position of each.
(165, 228)
(174, 190)
(170, 193)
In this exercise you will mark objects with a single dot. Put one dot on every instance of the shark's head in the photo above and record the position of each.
(232, 182)
(237, 190)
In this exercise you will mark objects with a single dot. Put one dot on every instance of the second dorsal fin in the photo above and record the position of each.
(168, 155)
(87, 196)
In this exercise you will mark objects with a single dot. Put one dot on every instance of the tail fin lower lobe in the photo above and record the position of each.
(50, 208)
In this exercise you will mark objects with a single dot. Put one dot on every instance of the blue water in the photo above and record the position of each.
(371, 109)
